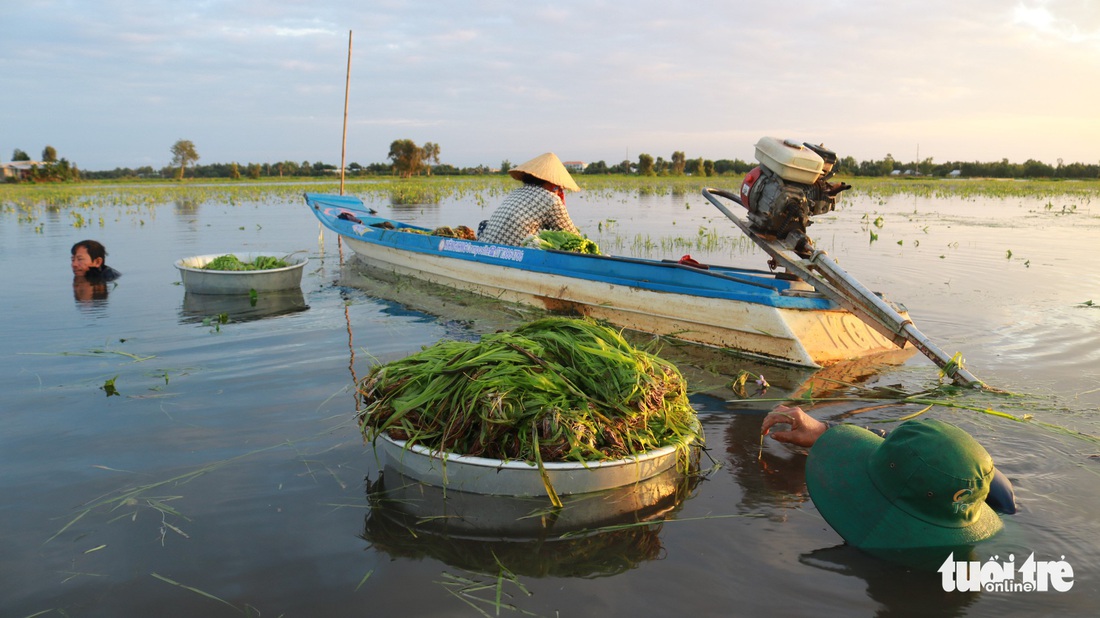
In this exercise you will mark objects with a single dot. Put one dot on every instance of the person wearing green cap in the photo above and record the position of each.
(924, 485)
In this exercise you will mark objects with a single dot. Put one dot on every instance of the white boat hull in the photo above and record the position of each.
(809, 337)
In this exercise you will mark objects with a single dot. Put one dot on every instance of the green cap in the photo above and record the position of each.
(924, 485)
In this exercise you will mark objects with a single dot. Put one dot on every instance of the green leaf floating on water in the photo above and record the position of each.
(109, 387)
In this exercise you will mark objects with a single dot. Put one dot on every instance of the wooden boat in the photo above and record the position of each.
(757, 313)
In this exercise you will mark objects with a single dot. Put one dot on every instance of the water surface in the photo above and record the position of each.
(227, 475)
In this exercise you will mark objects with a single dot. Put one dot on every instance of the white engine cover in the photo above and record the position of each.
(790, 160)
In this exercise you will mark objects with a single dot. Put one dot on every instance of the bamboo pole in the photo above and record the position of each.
(344, 142)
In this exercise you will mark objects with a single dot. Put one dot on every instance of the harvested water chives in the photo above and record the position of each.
(232, 262)
(557, 389)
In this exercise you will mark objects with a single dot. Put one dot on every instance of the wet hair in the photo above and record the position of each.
(94, 248)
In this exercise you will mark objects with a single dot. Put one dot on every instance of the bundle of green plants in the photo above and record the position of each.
(232, 262)
(557, 389)
(564, 241)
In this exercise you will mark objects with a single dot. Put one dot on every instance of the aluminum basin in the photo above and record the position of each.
(520, 478)
(199, 281)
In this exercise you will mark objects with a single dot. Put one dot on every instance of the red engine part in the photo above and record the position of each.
(746, 186)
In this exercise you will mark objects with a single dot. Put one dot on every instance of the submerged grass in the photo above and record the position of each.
(468, 590)
(132, 499)
(942, 396)
(247, 610)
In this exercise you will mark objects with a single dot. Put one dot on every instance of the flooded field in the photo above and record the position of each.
(176, 455)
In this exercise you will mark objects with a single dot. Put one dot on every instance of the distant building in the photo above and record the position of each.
(574, 166)
(954, 173)
(18, 169)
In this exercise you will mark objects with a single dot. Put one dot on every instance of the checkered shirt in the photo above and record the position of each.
(525, 211)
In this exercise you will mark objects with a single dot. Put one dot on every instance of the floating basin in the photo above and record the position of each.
(520, 478)
(196, 280)
(435, 510)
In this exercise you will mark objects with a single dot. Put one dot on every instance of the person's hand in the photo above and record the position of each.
(804, 431)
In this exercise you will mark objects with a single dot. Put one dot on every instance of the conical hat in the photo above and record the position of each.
(546, 167)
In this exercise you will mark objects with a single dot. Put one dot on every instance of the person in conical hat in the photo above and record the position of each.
(548, 168)
(537, 205)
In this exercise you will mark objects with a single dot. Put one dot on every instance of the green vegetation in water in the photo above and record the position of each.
(216, 321)
(740, 383)
(31, 199)
(945, 396)
(556, 389)
(971, 188)
(109, 387)
(233, 263)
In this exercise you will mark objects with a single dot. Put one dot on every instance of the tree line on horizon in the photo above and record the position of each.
(406, 159)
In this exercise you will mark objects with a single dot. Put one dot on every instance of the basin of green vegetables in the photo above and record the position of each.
(559, 405)
(232, 262)
(241, 273)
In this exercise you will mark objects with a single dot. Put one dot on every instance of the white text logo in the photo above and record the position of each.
(1031, 576)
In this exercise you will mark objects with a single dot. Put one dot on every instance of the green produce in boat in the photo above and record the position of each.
(564, 241)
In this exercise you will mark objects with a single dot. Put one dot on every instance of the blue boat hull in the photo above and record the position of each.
(749, 311)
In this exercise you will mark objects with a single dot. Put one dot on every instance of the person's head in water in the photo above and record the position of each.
(88, 255)
(89, 261)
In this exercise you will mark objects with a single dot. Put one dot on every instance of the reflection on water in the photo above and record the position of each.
(199, 307)
(596, 534)
(773, 480)
(92, 293)
(892, 585)
(186, 206)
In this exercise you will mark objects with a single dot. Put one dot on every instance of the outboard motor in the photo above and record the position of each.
(790, 185)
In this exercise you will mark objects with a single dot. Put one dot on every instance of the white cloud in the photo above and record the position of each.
(1062, 22)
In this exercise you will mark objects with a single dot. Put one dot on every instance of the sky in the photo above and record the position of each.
(116, 83)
